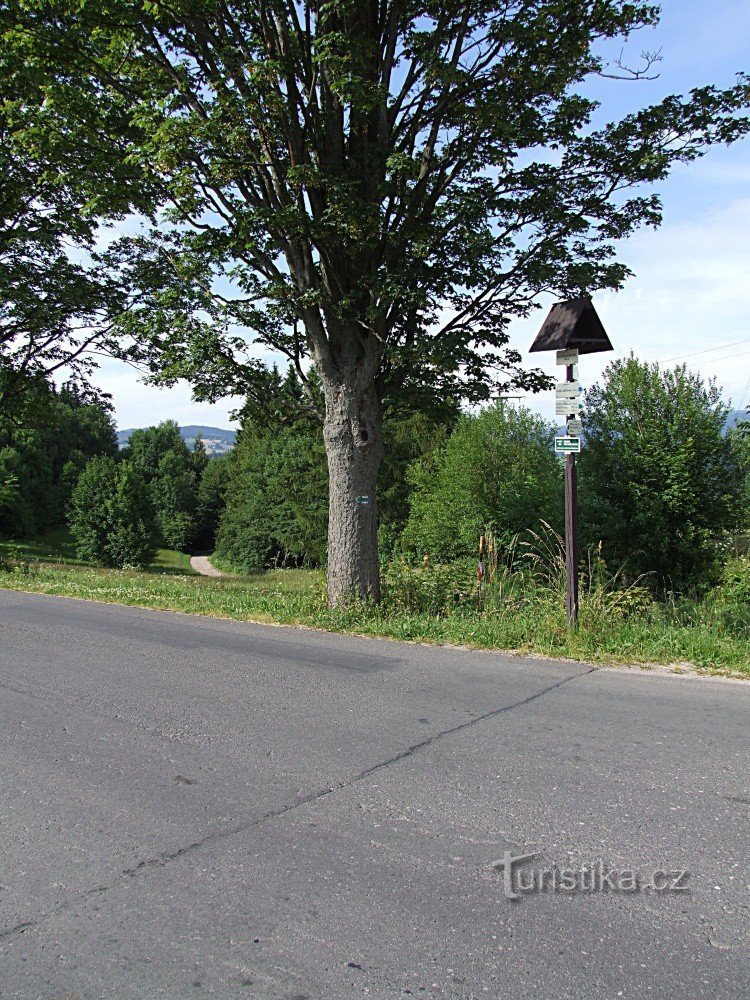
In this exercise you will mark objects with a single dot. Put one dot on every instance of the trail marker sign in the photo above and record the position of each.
(568, 389)
(565, 406)
(567, 445)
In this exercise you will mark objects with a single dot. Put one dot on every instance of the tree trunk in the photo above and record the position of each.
(354, 446)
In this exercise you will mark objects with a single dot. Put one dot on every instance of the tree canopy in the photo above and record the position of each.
(111, 518)
(171, 474)
(57, 297)
(40, 464)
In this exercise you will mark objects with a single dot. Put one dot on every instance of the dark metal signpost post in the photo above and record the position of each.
(571, 328)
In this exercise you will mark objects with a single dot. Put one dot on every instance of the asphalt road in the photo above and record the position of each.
(193, 807)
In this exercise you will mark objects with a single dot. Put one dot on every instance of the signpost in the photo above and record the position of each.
(567, 357)
(571, 328)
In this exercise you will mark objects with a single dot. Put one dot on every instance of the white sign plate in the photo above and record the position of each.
(567, 357)
(568, 389)
(565, 407)
(567, 445)
(574, 428)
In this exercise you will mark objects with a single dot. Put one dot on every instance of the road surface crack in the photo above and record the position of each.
(167, 857)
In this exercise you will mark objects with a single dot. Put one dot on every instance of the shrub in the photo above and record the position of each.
(730, 601)
(660, 481)
(431, 588)
(111, 517)
(497, 470)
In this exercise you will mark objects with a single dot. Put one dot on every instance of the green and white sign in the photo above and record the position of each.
(568, 407)
(567, 445)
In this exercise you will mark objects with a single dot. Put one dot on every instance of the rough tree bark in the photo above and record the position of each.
(354, 446)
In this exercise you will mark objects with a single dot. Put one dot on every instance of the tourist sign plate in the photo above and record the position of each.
(567, 445)
(568, 389)
(566, 406)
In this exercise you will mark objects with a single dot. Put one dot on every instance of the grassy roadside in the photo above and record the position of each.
(58, 549)
(296, 597)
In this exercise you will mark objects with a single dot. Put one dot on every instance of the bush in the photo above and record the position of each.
(432, 588)
(660, 481)
(111, 517)
(730, 601)
(498, 470)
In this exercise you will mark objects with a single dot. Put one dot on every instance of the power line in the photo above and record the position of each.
(716, 361)
(708, 350)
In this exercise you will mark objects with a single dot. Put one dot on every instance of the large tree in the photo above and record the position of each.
(171, 474)
(111, 518)
(386, 184)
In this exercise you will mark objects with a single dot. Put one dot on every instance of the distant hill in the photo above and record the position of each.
(217, 440)
(736, 416)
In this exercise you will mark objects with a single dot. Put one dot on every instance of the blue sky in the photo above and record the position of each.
(691, 290)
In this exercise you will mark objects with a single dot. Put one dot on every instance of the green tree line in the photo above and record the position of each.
(662, 482)
(66, 468)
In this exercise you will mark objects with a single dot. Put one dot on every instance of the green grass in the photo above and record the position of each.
(57, 548)
(287, 581)
(224, 565)
(170, 561)
(691, 634)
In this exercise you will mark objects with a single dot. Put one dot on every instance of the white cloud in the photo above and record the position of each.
(141, 405)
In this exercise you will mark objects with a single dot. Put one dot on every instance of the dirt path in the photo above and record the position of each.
(201, 565)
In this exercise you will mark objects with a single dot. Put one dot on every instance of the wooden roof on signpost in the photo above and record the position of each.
(572, 325)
